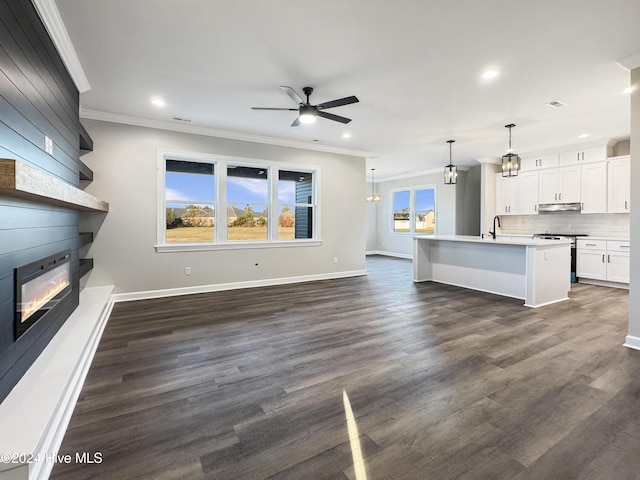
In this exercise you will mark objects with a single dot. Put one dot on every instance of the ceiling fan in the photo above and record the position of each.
(307, 113)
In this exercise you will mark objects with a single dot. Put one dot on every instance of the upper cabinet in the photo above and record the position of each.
(517, 195)
(593, 187)
(559, 185)
(619, 185)
(539, 161)
(584, 155)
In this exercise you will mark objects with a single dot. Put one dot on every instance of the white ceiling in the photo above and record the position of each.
(414, 65)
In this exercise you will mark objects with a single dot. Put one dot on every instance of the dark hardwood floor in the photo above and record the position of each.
(444, 383)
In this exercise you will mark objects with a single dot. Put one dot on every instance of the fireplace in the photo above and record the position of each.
(39, 288)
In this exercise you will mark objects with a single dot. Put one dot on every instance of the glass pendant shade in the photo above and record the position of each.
(450, 171)
(372, 197)
(510, 161)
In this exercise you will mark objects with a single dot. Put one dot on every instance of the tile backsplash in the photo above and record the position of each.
(602, 225)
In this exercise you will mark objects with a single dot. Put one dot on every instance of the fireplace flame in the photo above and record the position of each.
(35, 304)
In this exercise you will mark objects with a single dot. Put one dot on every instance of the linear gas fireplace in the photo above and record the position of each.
(40, 286)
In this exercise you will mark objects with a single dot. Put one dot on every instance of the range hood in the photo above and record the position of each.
(559, 207)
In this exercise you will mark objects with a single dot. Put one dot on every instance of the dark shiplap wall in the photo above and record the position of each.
(37, 98)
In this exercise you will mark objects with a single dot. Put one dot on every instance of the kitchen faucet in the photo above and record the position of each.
(493, 234)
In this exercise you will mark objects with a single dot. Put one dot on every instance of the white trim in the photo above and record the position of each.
(172, 292)
(52, 21)
(462, 168)
(603, 283)
(231, 245)
(221, 163)
(390, 254)
(630, 61)
(213, 132)
(35, 415)
(546, 303)
(632, 342)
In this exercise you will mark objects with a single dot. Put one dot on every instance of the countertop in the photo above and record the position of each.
(527, 241)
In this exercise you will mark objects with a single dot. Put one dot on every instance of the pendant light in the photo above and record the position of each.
(510, 161)
(373, 197)
(450, 171)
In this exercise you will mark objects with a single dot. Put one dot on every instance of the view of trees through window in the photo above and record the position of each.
(191, 213)
(414, 211)
(190, 201)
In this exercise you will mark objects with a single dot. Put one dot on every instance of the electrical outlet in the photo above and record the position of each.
(187, 271)
(335, 259)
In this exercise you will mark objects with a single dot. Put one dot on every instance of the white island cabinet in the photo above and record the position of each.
(534, 270)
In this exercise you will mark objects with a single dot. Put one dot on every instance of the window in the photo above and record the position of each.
(247, 203)
(413, 210)
(190, 202)
(217, 202)
(295, 205)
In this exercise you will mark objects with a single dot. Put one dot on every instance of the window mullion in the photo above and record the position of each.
(222, 213)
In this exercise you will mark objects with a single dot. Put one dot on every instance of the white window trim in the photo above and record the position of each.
(412, 209)
(221, 162)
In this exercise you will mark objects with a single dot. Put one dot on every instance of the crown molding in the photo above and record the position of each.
(213, 132)
(52, 21)
(492, 160)
(439, 171)
(630, 61)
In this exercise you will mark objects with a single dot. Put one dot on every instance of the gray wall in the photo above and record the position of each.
(450, 202)
(634, 291)
(124, 162)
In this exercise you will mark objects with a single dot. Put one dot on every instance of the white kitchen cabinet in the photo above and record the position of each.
(605, 260)
(584, 155)
(539, 161)
(528, 191)
(619, 185)
(593, 186)
(507, 195)
(559, 185)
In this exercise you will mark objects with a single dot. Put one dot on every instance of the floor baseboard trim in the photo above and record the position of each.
(171, 292)
(632, 342)
(391, 254)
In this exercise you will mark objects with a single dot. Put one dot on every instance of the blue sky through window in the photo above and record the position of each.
(425, 200)
(198, 189)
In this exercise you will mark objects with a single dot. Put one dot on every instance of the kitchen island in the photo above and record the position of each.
(534, 270)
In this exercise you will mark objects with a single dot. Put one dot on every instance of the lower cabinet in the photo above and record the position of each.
(606, 260)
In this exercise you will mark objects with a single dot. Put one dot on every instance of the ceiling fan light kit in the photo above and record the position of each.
(308, 113)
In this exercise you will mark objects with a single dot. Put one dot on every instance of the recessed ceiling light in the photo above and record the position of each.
(556, 104)
(583, 135)
(158, 102)
(489, 74)
(346, 135)
(627, 90)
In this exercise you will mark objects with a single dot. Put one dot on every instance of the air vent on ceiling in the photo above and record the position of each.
(178, 119)
(556, 104)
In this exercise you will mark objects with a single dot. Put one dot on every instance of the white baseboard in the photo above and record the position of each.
(632, 342)
(604, 283)
(390, 254)
(35, 415)
(171, 292)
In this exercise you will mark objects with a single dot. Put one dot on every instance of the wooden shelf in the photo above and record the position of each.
(23, 181)
(86, 264)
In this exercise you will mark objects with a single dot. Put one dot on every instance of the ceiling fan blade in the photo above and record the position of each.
(338, 103)
(269, 108)
(335, 118)
(293, 94)
(296, 122)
